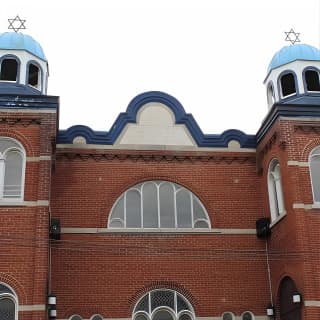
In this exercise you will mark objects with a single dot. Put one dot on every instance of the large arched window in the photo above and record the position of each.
(163, 304)
(12, 167)
(275, 190)
(288, 84)
(315, 173)
(8, 303)
(158, 204)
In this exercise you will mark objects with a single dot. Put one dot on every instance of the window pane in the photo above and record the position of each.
(247, 316)
(162, 298)
(33, 75)
(166, 194)
(184, 209)
(150, 205)
(141, 316)
(7, 309)
(198, 211)
(315, 177)
(117, 214)
(288, 85)
(97, 317)
(9, 70)
(133, 209)
(143, 305)
(6, 143)
(13, 175)
(312, 80)
(163, 315)
(185, 316)
(181, 304)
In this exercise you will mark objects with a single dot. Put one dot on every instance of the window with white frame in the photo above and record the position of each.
(163, 304)
(8, 303)
(228, 316)
(96, 317)
(247, 315)
(315, 173)
(76, 317)
(288, 84)
(158, 204)
(12, 167)
(9, 69)
(275, 190)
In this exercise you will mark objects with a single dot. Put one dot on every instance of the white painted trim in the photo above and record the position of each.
(298, 163)
(306, 206)
(34, 307)
(38, 203)
(151, 147)
(279, 218)
(312, 303)
(163, 230)
(26, 110)
(37, 159)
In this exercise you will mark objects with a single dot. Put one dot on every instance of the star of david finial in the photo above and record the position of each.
(16, 24)
(292, 36)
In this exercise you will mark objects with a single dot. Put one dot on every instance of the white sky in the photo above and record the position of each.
(102, 53)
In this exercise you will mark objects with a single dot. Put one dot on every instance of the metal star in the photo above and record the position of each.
(16, 24)
(292, 36)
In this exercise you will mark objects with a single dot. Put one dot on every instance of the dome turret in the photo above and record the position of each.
(23, 65)
(293, 74)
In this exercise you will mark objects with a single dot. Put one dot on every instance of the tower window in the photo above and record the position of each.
(312, 80)
(288, 85)
(315, 173)
(12, 166)
(33, 75)
(275, 191)
(9, 70)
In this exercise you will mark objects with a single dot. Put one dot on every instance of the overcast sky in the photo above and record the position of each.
(211, 55)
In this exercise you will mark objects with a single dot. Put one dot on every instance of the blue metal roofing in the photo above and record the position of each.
(20, 41)
(294, 52)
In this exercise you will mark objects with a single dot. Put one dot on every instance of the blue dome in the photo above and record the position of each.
(20, 41)
(294, 52)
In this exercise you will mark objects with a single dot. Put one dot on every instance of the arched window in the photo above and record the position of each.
(76, 317)
(34, 75)
(315, 173)
(288, 84)
(8, 303)
(158, 204)
(270, 95)
(12, 167)
(163, 304)
(9, 69)
(247, 315)
(312, 80)
(275, 190)
(228, 316)
(96, 317)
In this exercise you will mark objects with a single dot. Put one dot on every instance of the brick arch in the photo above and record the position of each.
(16, 286)
(21, 138)
(308, 148)
(161, 284)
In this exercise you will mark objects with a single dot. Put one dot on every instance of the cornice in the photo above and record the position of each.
(152, 156)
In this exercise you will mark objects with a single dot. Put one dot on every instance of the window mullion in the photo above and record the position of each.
(125, 209)
(191, 204)
(175, 207)
(141, 205)
(158, 205)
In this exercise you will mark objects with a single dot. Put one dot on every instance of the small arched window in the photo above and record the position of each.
(312, 80)
(12, 167)
(158, 204)
(288, 84)
(163, 304)
(247, 315)
(8, 303)
(9, 69)
(270, 95)
(34, 76)
(76, 317)
(96, 317)
(275, 190)
(315, 173)
(228, 316)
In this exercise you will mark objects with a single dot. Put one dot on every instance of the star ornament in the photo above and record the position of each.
(292, 36)
(16, 24)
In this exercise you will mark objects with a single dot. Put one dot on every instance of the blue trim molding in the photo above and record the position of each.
(181, 117)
